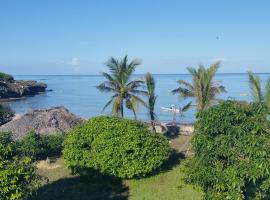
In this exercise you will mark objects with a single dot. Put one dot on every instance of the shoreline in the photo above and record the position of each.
(7, 100)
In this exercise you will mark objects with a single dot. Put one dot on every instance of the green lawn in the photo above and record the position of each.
(166, 185)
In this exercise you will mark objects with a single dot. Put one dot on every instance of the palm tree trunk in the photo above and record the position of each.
(152, 121)
(122, 108)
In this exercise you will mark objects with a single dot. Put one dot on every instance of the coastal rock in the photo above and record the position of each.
(20, 88)
(47, 121)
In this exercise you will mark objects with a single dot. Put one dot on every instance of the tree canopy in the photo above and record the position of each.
(231, 152)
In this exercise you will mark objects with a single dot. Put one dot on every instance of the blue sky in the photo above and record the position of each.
(78, 36)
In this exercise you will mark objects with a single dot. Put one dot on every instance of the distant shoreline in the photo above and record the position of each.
(225, 73)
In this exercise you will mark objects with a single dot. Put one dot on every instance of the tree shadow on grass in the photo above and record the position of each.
(173, 161)
(83, 188)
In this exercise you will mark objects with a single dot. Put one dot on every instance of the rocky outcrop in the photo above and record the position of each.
(47, 121)
(19, 88)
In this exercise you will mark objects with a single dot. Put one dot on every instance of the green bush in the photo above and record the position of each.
(18, 178)
(6, 77)
(115, 146)
(40, 147)
(232, 149)
(52, 145)
(6, 114)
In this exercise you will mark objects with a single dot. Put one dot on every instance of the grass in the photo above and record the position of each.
(166, 185)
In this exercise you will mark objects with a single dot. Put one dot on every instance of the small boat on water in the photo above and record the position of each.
(171, 109)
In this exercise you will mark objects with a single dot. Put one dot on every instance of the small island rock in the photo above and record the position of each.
(20, 88)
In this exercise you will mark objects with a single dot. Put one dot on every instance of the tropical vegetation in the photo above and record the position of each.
(230, 144)
(258, 94)
(6, 114)
(151, 85)
(18, 177)
(231, 147)
(39, 146)
(118, 82)
(116, 147)
(203, 87)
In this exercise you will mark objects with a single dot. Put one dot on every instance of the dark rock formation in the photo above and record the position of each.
(17, 89)
(47, 121)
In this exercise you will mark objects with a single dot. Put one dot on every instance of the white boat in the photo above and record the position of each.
(171, 109)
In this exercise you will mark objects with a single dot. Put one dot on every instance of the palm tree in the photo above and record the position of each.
(151, 85)
(203, 87)
(119, 83)
(256, 89)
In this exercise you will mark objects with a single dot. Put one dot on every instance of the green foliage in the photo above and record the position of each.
(151, 86)
(6, 114)
(125, 91)
(39, 147)
(232, 148)
(6, 77)
(203, 87)
(18, 178)
(115, 146)
(256, 90)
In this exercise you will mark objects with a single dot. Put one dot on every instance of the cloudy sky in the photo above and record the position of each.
(78, 36)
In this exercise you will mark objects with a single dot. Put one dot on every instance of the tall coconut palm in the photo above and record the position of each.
(256, 89)
(203, 87)
(119, 83)
(151, 85)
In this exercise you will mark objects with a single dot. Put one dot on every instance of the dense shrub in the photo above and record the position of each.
(6, 114)
(232, 149)
(40, 147)
(52, 144)
(115, 146)
(18, 178)
(6, 77)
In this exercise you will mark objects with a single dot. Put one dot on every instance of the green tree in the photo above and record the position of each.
(151, 85)
(39, 146)
(115, 146)
(18, 177)
(203, 87)
(6, 114)
(231, 147)
(256, 89)
(125, 91)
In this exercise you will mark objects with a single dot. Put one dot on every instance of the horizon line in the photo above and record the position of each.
(222, 73)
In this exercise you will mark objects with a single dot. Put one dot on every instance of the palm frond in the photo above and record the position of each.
(108, 103)
(116, 109)
(267, 94)
(183, 92)
(187, 106)
(103, 87)
(138, 100)
(185, 84)
(131, 105)
(255, 86)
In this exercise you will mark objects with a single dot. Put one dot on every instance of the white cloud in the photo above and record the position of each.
(74, 61)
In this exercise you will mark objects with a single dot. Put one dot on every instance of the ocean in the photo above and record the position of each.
(78, 93)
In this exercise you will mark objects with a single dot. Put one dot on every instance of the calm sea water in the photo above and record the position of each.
(80, 96)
